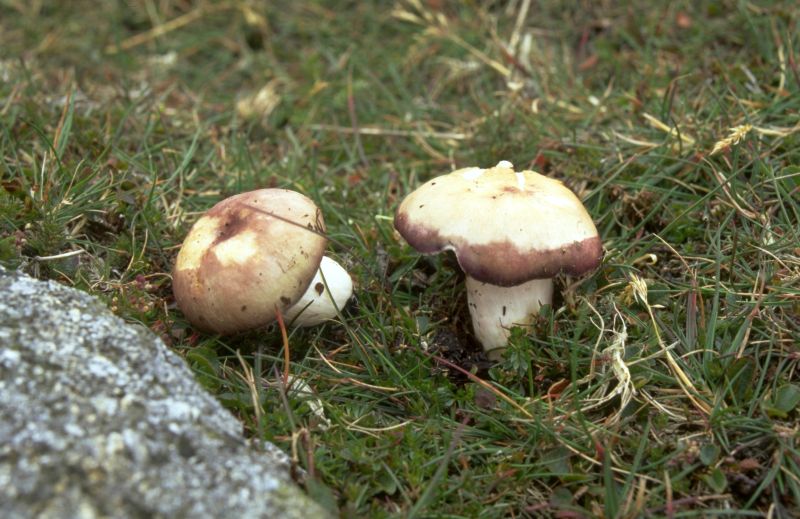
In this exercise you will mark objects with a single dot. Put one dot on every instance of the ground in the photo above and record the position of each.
(663, 384)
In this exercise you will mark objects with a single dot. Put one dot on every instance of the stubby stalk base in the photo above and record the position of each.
(495, 310)
(329, 290)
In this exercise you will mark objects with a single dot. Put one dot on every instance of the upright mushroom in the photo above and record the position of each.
(253, 255)
(511, 232)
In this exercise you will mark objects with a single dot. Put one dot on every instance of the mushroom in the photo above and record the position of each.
(511, 232)
(256, 254)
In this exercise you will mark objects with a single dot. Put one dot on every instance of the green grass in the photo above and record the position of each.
(115, 135)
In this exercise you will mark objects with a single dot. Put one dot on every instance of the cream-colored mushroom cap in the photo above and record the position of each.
(505, 227)
(248, 256)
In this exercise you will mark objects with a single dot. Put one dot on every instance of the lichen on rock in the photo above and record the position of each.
(98, 418)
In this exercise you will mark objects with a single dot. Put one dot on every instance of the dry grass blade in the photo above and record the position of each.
(640, 293)
(375, 431)
(351, 380)
(614, 354)
(673, 132)
(389, 132)
(436, 25)
(480, 382)
(166, 28)
(749, 214)
(285, 339)
(249, 379)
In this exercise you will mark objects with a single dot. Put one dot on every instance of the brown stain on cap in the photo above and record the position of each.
(231, 225)
(229, 297)
(502, 263)
(487, 209)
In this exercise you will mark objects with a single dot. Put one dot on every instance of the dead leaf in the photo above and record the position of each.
(749, 464)
(683, 20)
(589, 62)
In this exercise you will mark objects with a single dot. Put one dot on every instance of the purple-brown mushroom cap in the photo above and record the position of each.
(505, 227)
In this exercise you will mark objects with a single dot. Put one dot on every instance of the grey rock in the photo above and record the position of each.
(99, 419)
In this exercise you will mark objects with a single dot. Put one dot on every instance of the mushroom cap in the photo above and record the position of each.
(247, 256)
(505, 227)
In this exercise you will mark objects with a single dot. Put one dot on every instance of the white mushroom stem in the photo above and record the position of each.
(329, 290)
(495, 310)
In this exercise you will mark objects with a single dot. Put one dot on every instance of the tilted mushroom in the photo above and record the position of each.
(253, 255)
(511, 232)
